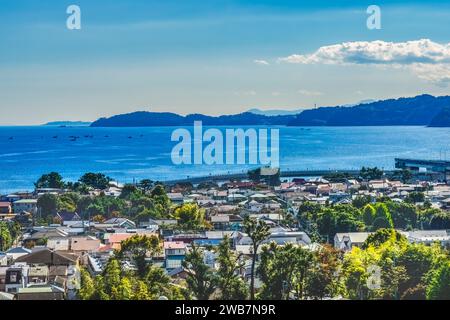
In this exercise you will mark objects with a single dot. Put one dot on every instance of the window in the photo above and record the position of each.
(13, 277)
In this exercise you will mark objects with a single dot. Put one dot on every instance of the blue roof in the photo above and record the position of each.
(19, 250)
(206, 242)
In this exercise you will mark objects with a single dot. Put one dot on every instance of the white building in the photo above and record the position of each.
(28, 205)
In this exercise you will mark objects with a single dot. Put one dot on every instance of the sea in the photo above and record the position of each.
(128, 155)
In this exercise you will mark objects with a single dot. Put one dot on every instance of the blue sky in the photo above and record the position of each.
(211, 56)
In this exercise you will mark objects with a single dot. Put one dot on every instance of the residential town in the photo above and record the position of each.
(64, 240)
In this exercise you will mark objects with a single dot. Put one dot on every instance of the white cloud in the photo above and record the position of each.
(310, 93)
(427, 59)
(261, 62)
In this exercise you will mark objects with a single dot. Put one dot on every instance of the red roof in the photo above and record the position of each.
(119, 237)
(5, 204)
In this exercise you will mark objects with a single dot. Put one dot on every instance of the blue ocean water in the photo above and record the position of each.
(128, 154)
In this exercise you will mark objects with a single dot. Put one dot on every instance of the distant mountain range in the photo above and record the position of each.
(68, 123)
(281, 112)
(423, 110)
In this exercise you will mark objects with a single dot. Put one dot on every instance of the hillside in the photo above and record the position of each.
(150, 119)
(422, 110)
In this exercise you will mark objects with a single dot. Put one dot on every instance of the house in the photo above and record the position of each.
(27, 205)
(16, 277)
(42, 191)
(41, 292)
(280, 237)
(84, 244)
(429, 237)
(157, 223)
(176, 197)
(114, 239)
(41, 235)
(123, 223)
(346, 241)
(339, 197)
(175, 252)
(220, 221)
(5, 208)
(17, 252)
(58, 243)
(38, 274)
(49, 257)
(67, 217)
(178, 273)
(294, 237)
(58, 274)
(10, 198)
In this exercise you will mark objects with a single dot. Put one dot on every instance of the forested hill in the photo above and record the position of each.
(423, 110)
(156, 119)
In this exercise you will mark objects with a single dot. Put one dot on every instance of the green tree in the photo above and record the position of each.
(404, 215)
(371, 173)
(68, 202)
(381, 236)
(283, 270)
(257, 231)
(323, 279)
(201, 280)
(137, 248)
(146, 185)
(230, 282)
(361, 201)
(95, 180)
(161, 200)
(82, 206)
(404, 175)
(369, 214)
(47, 205)
(340, 218)
(50, 180)
(414, 197)
(109, 285)
(130, 190)
(383, 218)
(87, 286)
(440, 220)
(190, 216)
(5, 236)
(439, 288)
